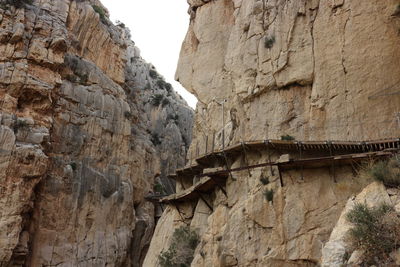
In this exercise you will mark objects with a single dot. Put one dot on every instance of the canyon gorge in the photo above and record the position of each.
(90, 131)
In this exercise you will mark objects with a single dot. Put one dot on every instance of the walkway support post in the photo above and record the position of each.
(266, 142)
(301, 157)
(333, 162)
(245, 157)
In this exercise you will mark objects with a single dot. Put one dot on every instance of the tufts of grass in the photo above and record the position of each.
(269, 195)
(168, 87)
(158, 188)
(102, 13)
(155, 139)
(165, 102)
(287, 138)
(73, 166)
(388, 172)
(127, 115)
(264, 180)
(269, 41)
(157, 99)
(153, 74)
(120, 24)
(174, 118)
(148, 86)
(161, 83)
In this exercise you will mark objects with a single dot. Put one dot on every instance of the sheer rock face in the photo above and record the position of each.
(77, 155)
(316, 70)
(312, 69)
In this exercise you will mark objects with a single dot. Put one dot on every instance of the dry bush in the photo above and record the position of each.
(180, 253)
(376, 231)
(388, 172)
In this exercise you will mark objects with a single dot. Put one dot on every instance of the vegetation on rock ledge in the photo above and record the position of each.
(388, 172)
(376, 231)
(181, 251)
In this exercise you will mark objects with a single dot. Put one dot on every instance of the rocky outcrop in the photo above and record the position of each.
(310, 69)
(81, 137)
(335, 250)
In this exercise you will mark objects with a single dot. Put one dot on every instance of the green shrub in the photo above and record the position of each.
(127, 115)
(102, 13)
(264, 180)
(157, 99)
(155, 139)
(158, 188)
(287, 138)
(19, 125)
(376, 231)
(153, 74)
(73, 166)
(269, 41)
(387, 172)
(161, 83)
(165, 102)
(174, 118)
(148, 86)
(120, 24)
(180, 253)
(168, 87)
(269, 195)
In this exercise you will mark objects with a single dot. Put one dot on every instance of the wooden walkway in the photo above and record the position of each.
(338, 153)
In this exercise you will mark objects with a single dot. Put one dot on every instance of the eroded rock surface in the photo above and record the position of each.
(81, 139)
(316, 70)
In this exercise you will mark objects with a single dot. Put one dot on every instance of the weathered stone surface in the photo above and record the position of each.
(309, 69)
(317, 81)
(77, 153)
(334, 250)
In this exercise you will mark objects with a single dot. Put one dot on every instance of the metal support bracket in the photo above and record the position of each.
(245, 157)
(266, 142)
(301, 157)
(333, 162)
(205, 201)
(280, 175)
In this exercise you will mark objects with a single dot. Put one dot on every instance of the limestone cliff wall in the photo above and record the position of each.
(81, 137)
(313, 69)
(316, 70)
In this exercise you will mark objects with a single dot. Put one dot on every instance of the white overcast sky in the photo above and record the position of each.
(158, 28)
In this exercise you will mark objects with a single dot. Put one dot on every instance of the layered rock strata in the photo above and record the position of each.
(85, 127)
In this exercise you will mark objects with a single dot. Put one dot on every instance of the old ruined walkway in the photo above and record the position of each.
(211, 170)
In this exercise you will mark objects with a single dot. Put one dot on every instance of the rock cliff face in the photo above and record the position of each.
(316, 70)
(85, 127)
